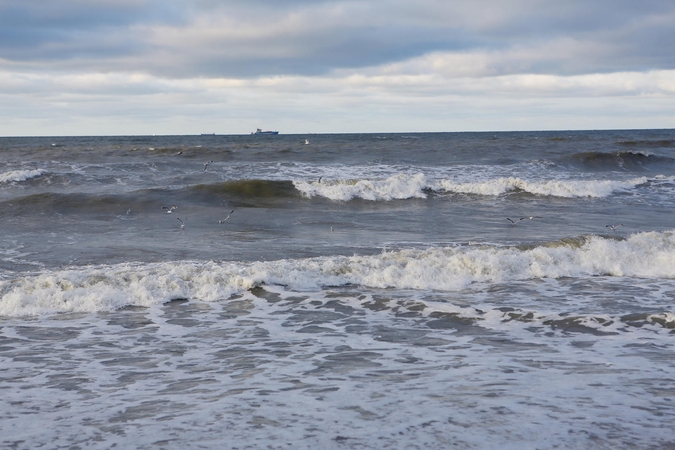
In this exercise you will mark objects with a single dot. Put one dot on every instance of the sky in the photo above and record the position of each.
(130, 67)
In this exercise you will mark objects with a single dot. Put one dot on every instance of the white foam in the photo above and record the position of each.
(20, 175)
(554, 188)
(396, 187)
(403, 186)
(649, 255)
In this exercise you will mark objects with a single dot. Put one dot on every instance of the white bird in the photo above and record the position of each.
(306, 141)
(614, 227)
(168, 209)
(207, 165)
(228, 216)
(182, 223)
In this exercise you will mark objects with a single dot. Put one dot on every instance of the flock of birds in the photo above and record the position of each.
(170, 209)
(514, 222)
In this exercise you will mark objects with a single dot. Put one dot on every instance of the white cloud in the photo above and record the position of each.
(205, 65)
(380, 101)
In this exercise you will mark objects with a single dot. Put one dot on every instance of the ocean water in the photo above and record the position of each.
(366, 291)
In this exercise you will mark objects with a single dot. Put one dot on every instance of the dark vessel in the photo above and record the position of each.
(260, 131)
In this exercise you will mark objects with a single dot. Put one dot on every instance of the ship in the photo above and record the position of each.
(260, 131)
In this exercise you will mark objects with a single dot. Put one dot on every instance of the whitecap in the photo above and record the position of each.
(20, 175)
(553, 188)
(396, 187)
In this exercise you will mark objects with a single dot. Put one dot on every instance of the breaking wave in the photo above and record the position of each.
(16, 176)
(403, 186)
(106, 288)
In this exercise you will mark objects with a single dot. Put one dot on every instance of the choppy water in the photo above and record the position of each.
(367, 291)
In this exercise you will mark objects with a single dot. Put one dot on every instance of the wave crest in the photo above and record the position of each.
(553, 188)
(646, 255)
(16, 176)
(396, 187)
(403, 186)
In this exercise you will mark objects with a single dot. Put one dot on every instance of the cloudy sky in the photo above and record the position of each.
(92, 67)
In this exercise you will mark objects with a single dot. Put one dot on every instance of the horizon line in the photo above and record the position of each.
(334, 133)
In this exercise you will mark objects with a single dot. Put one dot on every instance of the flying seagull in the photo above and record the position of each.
(206, 165)
(614, 227)
(169, 209)
(182, 223)
(513, 222)
(228, 216)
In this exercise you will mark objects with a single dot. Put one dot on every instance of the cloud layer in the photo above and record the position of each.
(213, 64)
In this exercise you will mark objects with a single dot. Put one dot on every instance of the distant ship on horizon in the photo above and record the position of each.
(260, 131)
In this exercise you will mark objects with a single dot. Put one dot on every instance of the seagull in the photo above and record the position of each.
(228, 216)
(180, 152)
(513, 222)
(614, 227)
(182, 223)
(207, 165)
(306, 141)
(169, 209)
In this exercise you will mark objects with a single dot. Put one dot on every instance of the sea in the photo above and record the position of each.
(506, 290)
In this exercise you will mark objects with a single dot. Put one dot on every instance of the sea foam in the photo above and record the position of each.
(106, 288)
(20, 175)
(396, 187)
(553, 188)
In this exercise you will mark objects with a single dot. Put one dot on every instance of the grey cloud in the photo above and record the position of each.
(253, 38)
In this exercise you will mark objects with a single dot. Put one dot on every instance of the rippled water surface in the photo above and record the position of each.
(366, 291)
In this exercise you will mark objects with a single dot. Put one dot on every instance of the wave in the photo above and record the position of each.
(266, 192)
(396, 187)
(648, 143)
(623, 160)
(249, 189)
(16, 176)
(553, 188)
(75, 202)
(106, 288)
(152, 199)
(417, 186)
